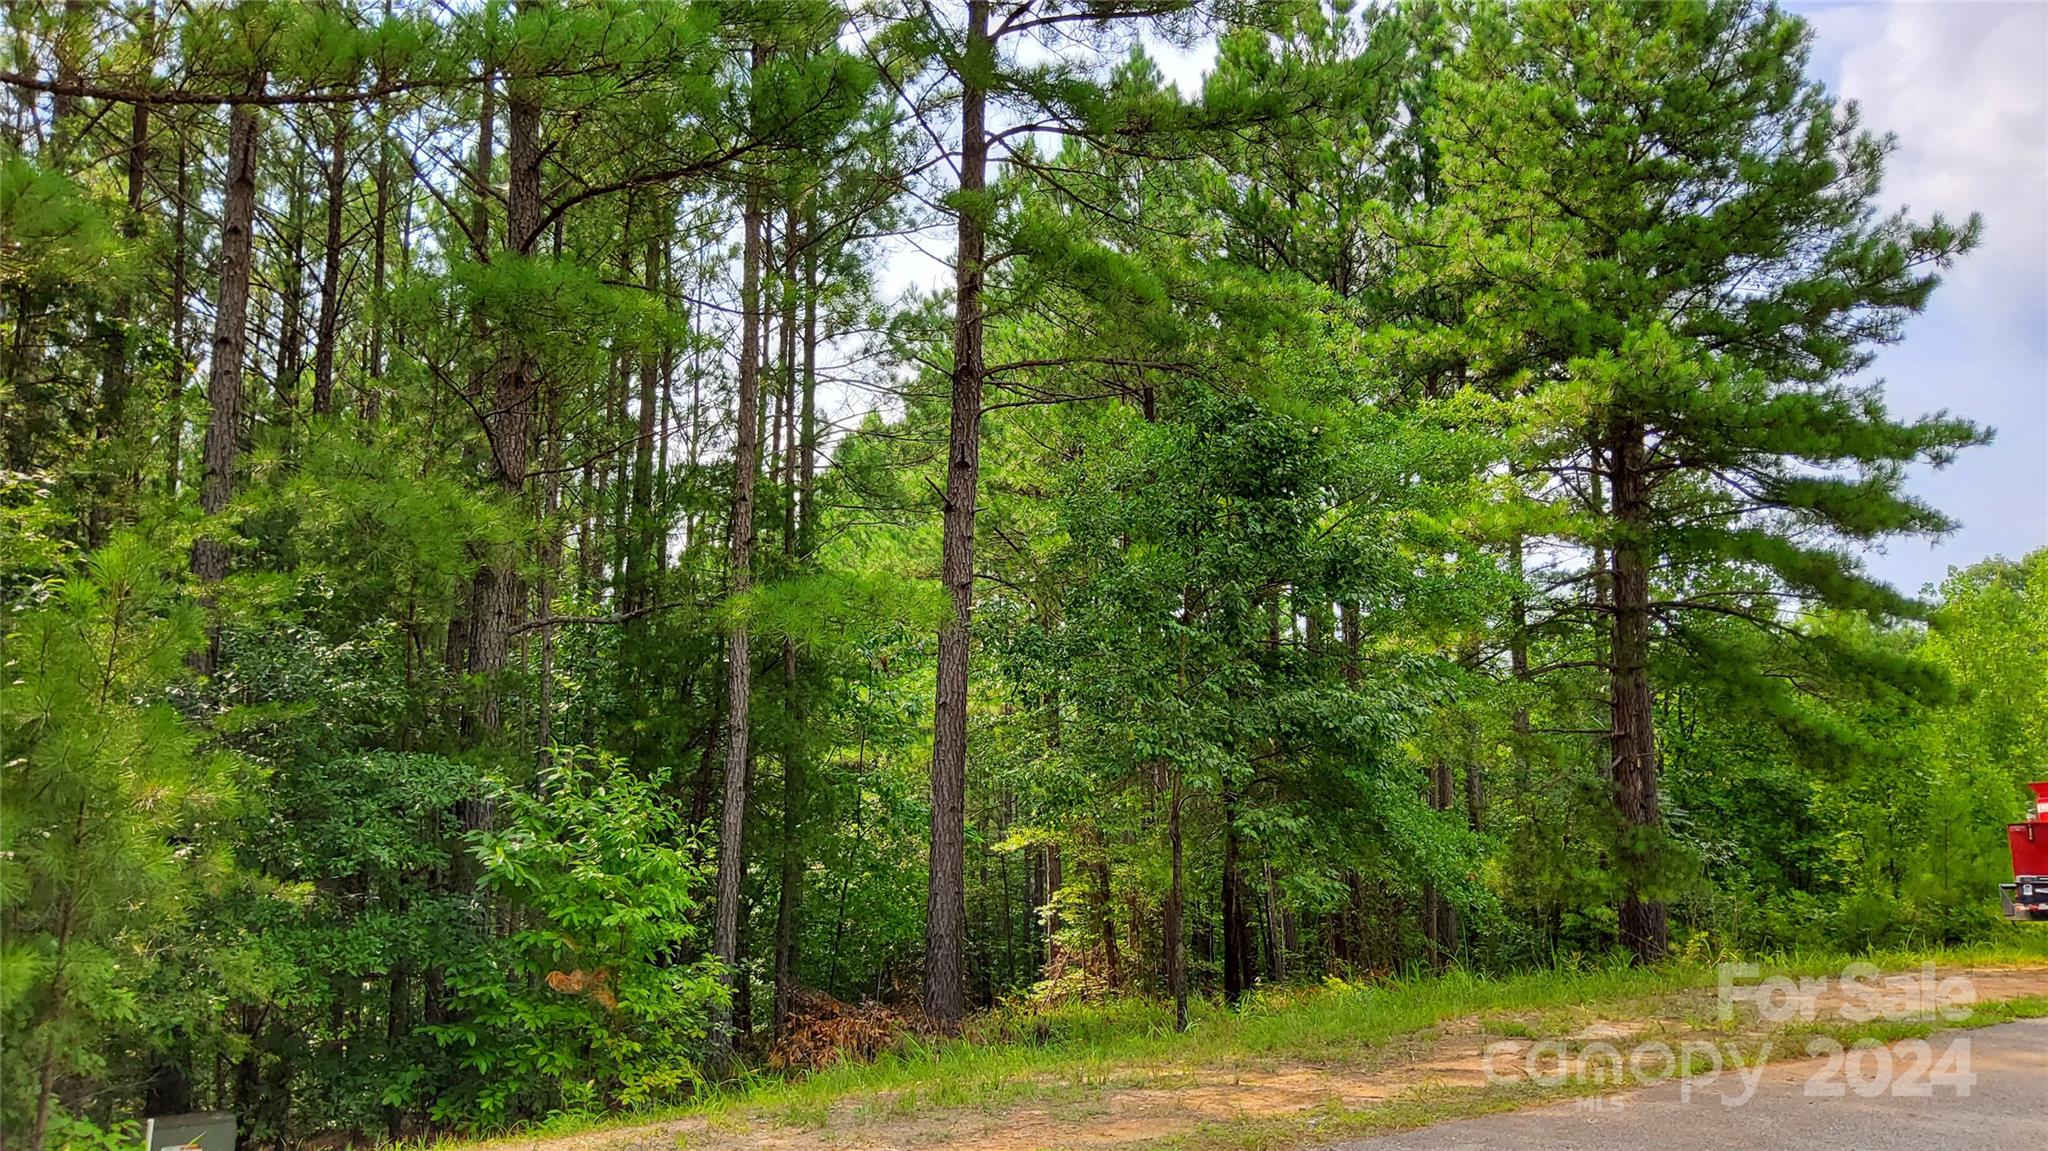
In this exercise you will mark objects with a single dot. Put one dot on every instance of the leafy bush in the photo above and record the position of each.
(584, 1002)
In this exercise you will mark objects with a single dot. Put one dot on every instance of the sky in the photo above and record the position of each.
(1964, 88)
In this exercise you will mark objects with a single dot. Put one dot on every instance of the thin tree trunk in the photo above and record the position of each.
(945, 939)
(1353, 672)
(1276, 944)
(463, 621)
(372, 396)
(180, 290)
(622, 471)
(640, 560)
(790, 243)
(1175, 946)
(291, 338)
(1444, 927)
(798, 469)
(397, 1027)
(1105, 922)
(707, 772)
(790, 888)
(1475, 793)
(739, 577)
(807, 477)
(46, 1081)
(1176, 949)
(1003, 877)
(116, 374)
(330, 270)
(1055, 878)
(230, 337)
(1236, 965)
(1518, 661)
(550, 565)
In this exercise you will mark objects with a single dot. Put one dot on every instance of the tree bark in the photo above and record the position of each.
(1439, 915)
(1176, 949)
(397, 1027)
(1236, 970)
(509, 423)
(291, 338)
(550, 565)
(1643, 918)
(1055, 878)
(1353, 672)
(807, 476)
(230, 338)
(1105, 922)
(1276, 944)
(645, 532)
(1518, 660)
(372, 396)
(945, 939)
(330, 270)
(797, 549)
(739, 578)
(180, 289)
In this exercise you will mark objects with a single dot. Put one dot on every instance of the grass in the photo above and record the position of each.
(1074, 1056)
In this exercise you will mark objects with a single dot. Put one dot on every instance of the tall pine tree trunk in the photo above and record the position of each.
(641, 516)
(1236, 969)
(1518, 660)
(462, 623)
(230, 338)
(1055, 877)
(807, 475)
(372, 396)
(1644, 928)
(1439, 915)
(1175, 947)
(1276, 943)
(550, 564)
(509, 423)
(291, 339)
(800, 474)
(181, 262)
(945, 936)
(330, 270)
(1105, 920)
(739, 577)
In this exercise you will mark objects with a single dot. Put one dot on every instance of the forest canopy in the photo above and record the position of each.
(507, 597)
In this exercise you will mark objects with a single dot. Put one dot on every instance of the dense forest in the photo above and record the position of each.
(508, 597)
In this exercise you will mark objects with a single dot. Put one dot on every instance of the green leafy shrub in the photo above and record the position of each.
(585, 1002)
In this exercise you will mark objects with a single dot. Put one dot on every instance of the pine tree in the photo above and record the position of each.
(978, 58)
(1671, 239)
(110, 819)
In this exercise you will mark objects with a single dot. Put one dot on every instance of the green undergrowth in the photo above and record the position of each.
(1074, 1053)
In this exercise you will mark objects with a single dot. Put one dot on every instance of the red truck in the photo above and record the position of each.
(2026, 897)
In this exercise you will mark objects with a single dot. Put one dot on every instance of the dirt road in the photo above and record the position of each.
(1794, 1107)
(1455, 1069)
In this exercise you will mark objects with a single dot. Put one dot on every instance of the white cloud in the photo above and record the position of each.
(1965, 89)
